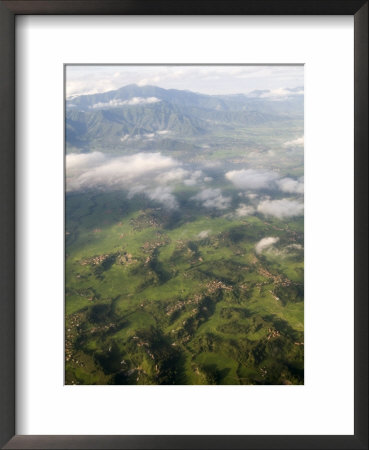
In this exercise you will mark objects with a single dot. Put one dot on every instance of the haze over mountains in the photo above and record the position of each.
(149, 117)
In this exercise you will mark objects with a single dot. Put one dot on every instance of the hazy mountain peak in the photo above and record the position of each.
(145, 111)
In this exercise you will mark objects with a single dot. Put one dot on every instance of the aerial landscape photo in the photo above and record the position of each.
(184, 225)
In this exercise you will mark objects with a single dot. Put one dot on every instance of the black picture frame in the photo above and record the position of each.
(8, 11)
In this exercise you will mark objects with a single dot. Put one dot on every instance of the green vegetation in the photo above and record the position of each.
(182, 295)
(149, 304)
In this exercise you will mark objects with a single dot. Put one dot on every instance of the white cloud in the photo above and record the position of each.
(295, 247)
(150, 174)
(163, 132)
(280, 93)
(84, 160)
(102, 172)
(251, 179)
(204, 234)
(252, 196)
(176, 174)
(163, 195)
(299, 142)
(244, 210)
(281, 208)
(212, 198)
(265, 243)
(194, 178)
(115, 103)
(291, 186)
(254, 179)
(141, 100)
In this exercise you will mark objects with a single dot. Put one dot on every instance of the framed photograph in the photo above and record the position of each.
(184, 231)
(184, 225)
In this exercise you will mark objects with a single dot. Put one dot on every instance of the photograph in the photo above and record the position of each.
(193, 174)
(184, 224)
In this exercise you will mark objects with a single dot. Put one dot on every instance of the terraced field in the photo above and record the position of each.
(153, 297)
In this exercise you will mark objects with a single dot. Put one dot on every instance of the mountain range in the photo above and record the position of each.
(137, 116)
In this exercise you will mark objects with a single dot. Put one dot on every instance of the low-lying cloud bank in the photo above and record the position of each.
(299, 142)
(212, 198)
(257, 180)
(146, 137)
(84, 161)
(98, 171)
(156, 176)
(267, 245)
(151, 174)
(244, 210)
(173, 175)
(281, 209)
(277, 94)
(251, 179)
(163, 195)
(291, 186)
(116, 103)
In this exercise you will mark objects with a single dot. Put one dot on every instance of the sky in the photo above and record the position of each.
(206, 79)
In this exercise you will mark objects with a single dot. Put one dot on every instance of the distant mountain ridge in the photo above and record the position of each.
(173, 96)
(121, 117)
